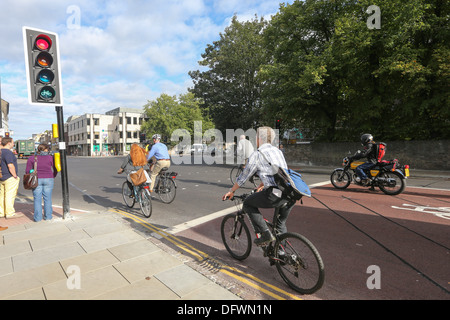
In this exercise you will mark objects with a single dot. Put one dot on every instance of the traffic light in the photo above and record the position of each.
(278, 124)
(142, 137)
(43, 67)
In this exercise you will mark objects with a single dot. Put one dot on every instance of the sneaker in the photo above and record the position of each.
(266, 238)
(3, 228)
(15, 215)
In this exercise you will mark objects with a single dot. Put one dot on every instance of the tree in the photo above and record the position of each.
(229, 87)
(167, 114)
(331, 73)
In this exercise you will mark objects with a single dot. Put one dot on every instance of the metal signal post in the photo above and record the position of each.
(62, 152)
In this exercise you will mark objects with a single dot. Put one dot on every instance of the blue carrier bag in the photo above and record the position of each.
(289, 182)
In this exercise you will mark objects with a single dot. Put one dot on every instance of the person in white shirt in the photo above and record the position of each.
(244, 150)
(264, 197)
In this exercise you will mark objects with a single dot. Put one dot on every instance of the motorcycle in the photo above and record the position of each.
(388, 175)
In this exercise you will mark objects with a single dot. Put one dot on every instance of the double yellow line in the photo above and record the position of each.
(202, 256)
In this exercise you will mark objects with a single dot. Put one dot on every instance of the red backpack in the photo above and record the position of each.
(381, 150)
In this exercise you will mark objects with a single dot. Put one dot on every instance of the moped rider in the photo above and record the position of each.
(369, 152)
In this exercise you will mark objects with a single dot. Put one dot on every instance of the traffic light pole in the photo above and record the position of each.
(62, 151)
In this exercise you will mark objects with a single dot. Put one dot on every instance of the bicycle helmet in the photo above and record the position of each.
(366, 138)
(156, 137)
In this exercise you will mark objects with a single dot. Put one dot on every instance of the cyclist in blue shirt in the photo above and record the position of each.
(161, 153)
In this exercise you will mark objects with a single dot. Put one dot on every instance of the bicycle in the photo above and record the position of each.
(165, 185)
(297, 260)
(140, 194)
(236, 172)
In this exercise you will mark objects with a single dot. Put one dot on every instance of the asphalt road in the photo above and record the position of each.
(353, 229)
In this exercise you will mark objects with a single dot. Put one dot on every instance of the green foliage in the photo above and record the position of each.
(229, 87)
(167, 114)
(317, 65)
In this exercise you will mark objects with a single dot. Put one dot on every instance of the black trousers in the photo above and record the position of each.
(266, 199)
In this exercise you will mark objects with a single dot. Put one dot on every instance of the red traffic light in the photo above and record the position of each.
(43, 42)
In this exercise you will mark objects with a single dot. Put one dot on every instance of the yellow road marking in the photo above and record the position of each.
(202, 256)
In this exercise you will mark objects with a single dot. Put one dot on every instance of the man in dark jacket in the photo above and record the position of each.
(370, 152)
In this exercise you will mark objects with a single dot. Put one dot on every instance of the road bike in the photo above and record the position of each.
(236, 172)
(165, 185)
(297, 260)
(139, 194)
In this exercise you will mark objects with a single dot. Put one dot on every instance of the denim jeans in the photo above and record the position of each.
(43, 190)
(361, 168)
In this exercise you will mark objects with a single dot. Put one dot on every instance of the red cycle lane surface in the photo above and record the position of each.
(374, 246)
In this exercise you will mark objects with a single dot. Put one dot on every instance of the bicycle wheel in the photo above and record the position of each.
(167, 190)
(146, 202)
(128, 195)
(236, 236)
(234, 174)
(299, 263)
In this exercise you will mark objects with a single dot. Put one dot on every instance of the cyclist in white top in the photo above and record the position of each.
(267, 195)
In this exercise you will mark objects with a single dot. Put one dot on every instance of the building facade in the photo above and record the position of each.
(4, 115)
(111, 133)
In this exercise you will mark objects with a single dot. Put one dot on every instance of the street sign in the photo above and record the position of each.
(42, 66)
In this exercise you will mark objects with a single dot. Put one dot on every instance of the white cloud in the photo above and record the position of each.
(123, 54)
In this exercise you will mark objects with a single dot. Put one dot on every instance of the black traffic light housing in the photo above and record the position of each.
(278, 124)
(43, 67)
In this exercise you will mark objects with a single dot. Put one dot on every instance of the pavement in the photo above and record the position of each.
(101, 255)
(94, 256)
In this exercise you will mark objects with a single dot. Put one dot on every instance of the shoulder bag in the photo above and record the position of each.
(30, 180)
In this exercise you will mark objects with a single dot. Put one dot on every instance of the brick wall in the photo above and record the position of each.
(425, 155)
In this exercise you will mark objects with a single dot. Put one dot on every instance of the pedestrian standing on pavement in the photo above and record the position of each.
(9, 182)
(1, 228)
(46, 172)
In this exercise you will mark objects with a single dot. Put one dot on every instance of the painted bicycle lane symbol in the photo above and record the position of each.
(442, 212)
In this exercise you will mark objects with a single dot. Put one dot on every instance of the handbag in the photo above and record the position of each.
(30, 180)
(139, 177)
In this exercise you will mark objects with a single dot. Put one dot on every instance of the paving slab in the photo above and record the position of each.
(145, 289)
(34, 233)
(12, 249)
(92, 284)
(91, 261)
(22, 281)
(45, 256)
(133, 249)
(192, 280)
(109, 240)
(147, 265)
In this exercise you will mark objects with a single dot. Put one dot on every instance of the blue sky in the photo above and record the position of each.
(113, 53)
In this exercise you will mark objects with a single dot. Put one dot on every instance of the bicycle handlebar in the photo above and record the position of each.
(241, 197)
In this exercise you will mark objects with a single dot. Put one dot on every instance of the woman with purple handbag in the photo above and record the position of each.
(46, 177)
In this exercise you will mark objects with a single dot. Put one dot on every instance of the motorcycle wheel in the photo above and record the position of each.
(340, 179)
(399, 186)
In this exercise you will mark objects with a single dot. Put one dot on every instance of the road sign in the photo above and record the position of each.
(43, 67)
